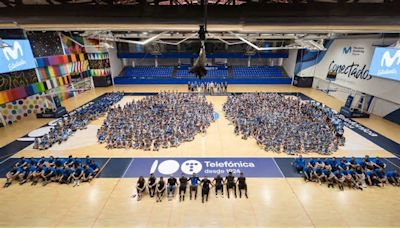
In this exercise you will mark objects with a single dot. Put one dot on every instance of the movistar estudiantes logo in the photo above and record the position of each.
(388, 60)
(347, 50)
(13, 52)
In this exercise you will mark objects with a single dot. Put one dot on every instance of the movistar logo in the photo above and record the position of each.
(347, 50)
(13, 52)
(388, 60)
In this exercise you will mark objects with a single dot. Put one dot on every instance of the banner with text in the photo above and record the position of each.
(16, 55)
(350, 61)
(386, 63)
(251, 167)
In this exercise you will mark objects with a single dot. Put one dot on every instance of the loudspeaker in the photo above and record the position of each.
(102, 81)
(305, 82)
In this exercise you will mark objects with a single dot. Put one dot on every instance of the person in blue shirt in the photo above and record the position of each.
(88, 160)
(349, 177)
(88, 174)
(339, 177)
(370, 177)
(12, 175)
(59, 174)
(308, 173)
(50, 162)
(41, 161)
(33, 161)
(95, 167)
(370, 163)
(352, 163)
(77, 175)
(320, 163)
(363, 164)
(194, 182)
(21, 162)
(379, 163)
(24, 174)
(70, 161)
(67, 175)
(36, 176)
(299, 164)
(59, 162)
(312, 162)
(380, 176)
(393, 177)
(334, 164)
(77, 162)
(47, 174)
(30, 174)
(318, 174)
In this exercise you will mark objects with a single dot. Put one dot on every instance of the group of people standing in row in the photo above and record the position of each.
(208, 87)
(158, 188)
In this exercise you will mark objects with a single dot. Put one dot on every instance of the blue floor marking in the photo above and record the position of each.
(286, 167)
(115, 168)
(6, 166)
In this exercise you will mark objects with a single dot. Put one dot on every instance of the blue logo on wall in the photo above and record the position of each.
(347, 50)
(386, 63)
(16, 56)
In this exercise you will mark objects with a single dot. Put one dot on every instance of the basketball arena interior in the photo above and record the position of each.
(182, 113)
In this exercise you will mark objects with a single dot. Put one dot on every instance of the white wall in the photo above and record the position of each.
(352, 73)
(290, 63)
(360, 57)
(115, 62)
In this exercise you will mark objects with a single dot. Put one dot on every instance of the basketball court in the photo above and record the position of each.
(277, 196)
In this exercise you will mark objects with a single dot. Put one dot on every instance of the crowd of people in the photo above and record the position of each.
(46, 170)
(77, 120)
(356, 173)
(208, 87)
(285, 124)
(167, 119)
(158, 188)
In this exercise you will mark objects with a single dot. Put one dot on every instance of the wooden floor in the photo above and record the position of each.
(278, 202)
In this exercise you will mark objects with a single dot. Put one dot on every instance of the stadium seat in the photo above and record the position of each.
(149, 72)
(257, 72)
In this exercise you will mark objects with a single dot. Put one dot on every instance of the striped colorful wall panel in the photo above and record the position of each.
(22, 92)
(60, 59)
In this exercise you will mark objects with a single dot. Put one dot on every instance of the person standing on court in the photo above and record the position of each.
(140, 187)
(172, 182)
(205, 190)
(151, 185)
(160, 189)
(230, 183)
(194, 181)
(219, 185)
(242, 185)
(182, 187)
